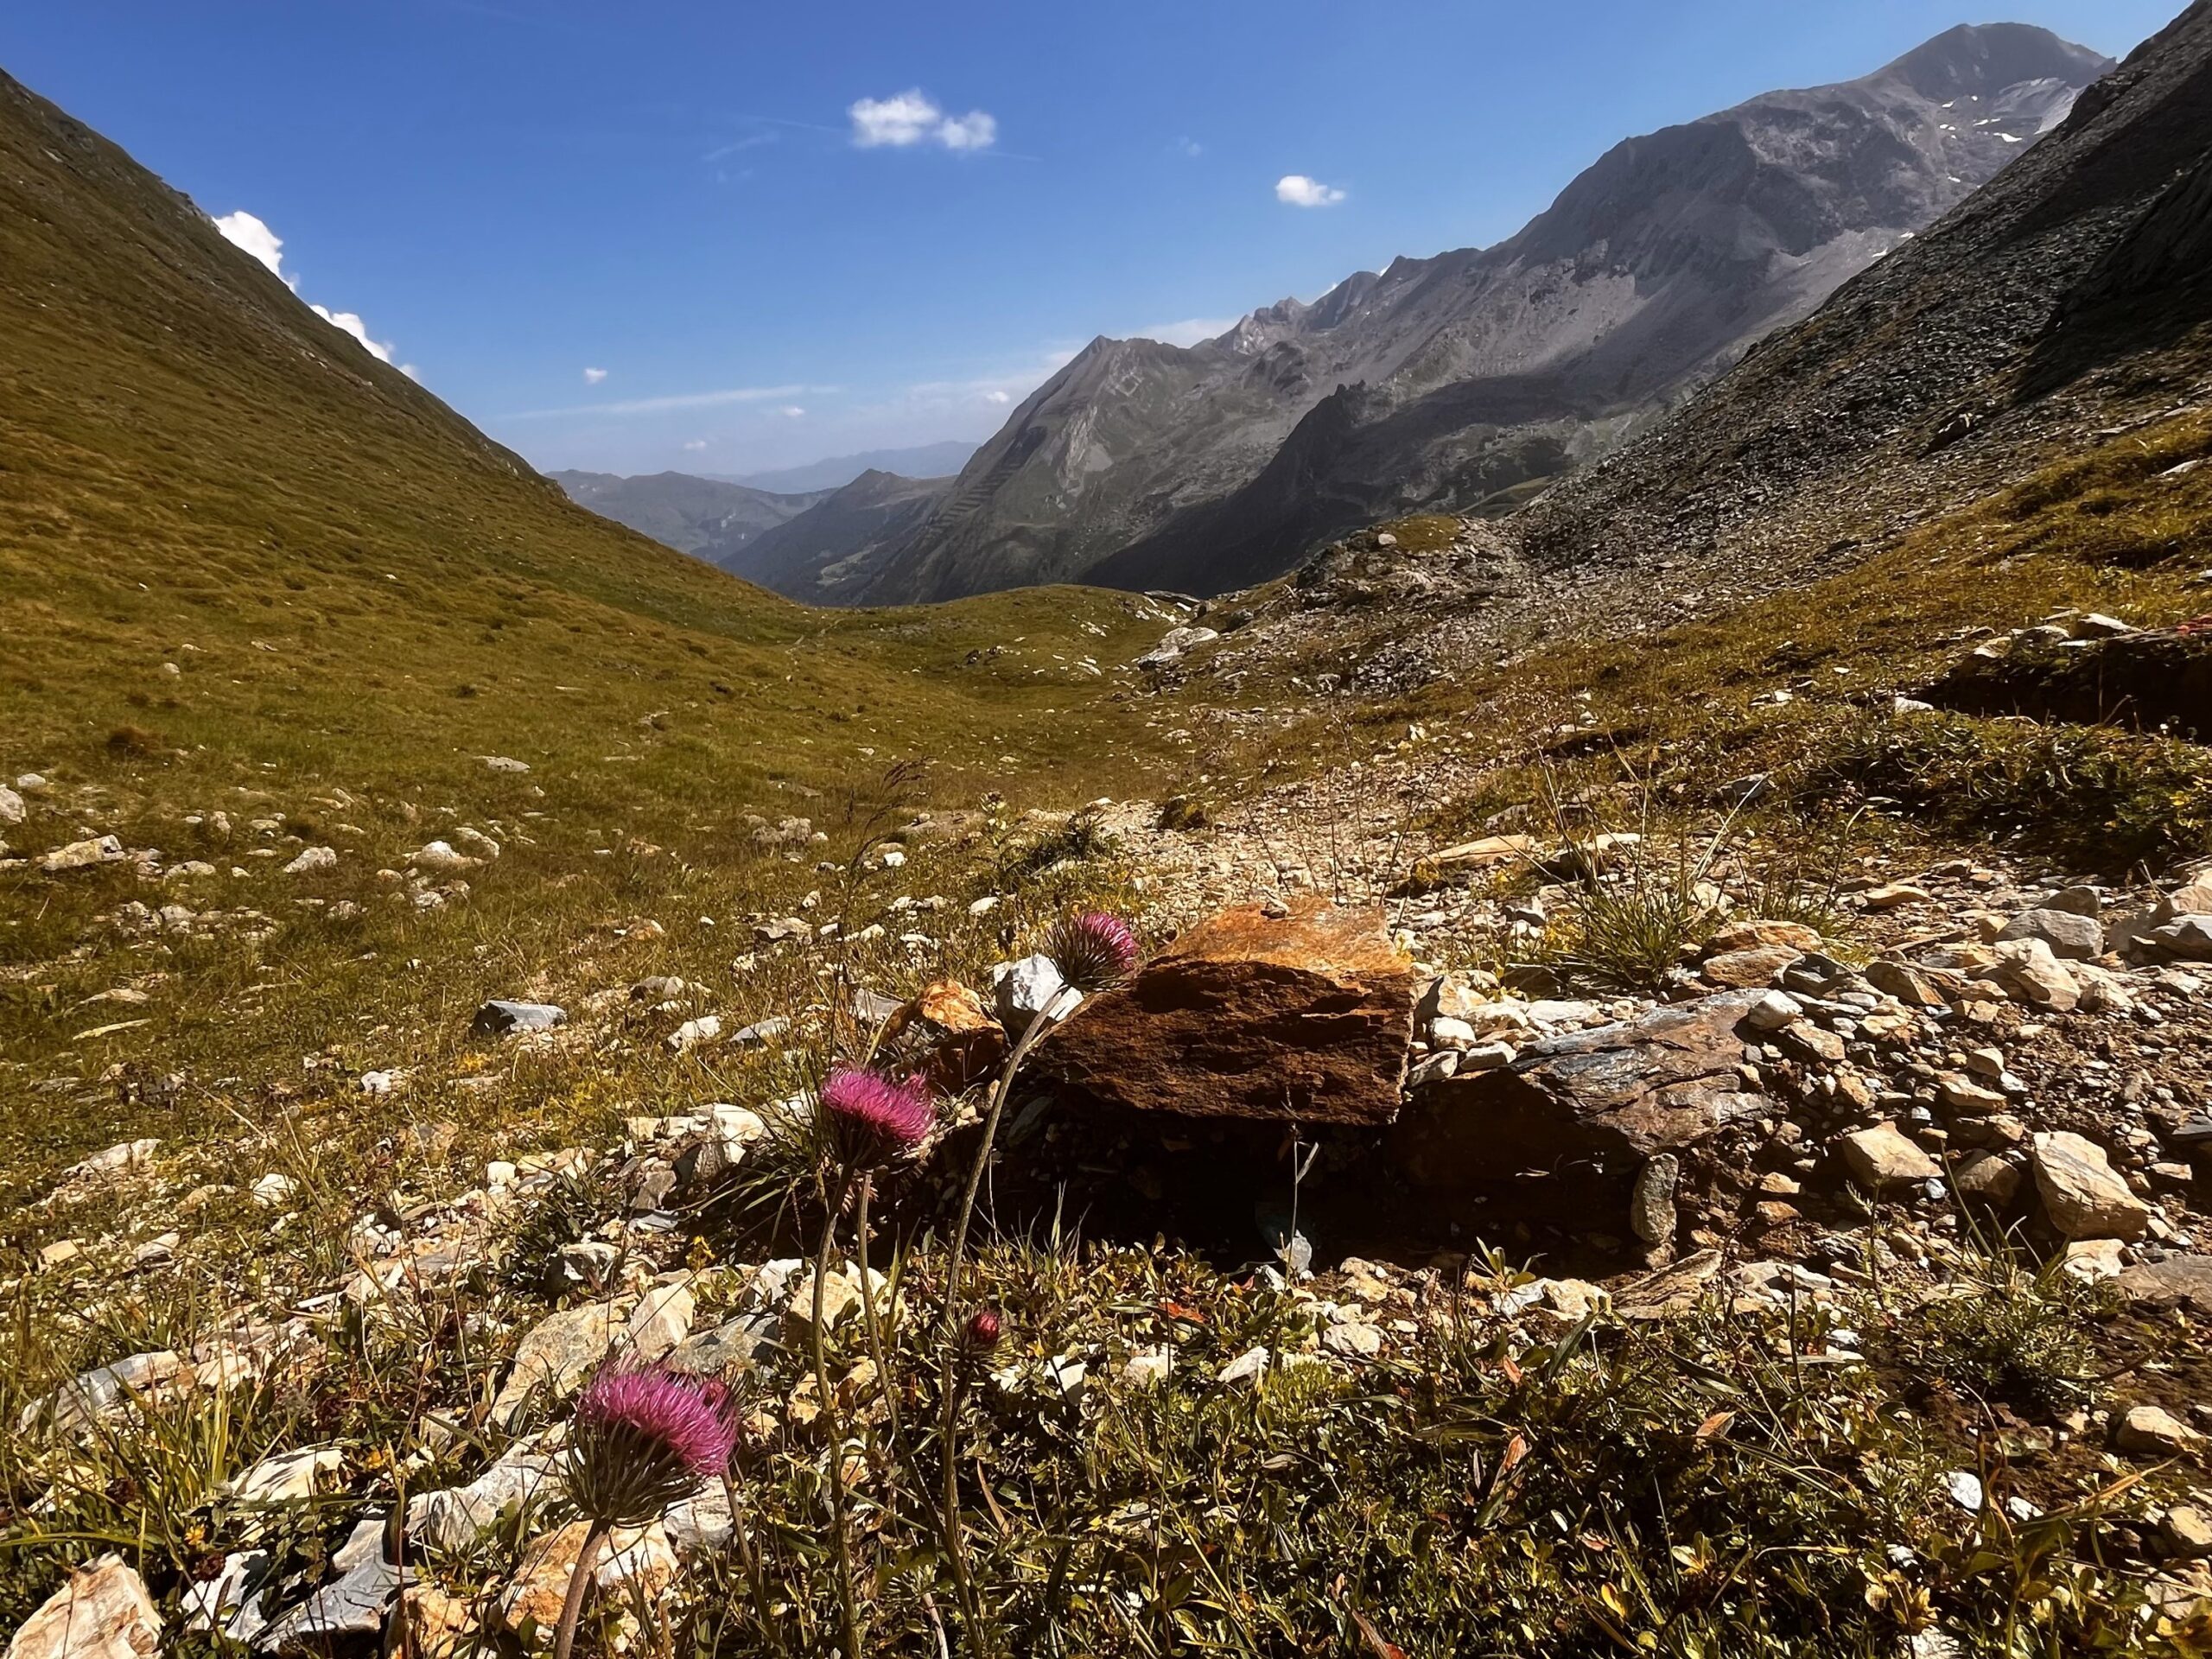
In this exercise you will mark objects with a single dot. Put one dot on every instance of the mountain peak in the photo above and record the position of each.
(1980, 60)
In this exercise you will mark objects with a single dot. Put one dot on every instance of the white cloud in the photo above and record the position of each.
(1189, 332)
(1191, 147)
(695, 445)
(350, 322)
(250, 234)
(243, 230)
(913, 117)
(1299, 191)
(998, 395)
(593, 377)
(790, 411)
(974, 131)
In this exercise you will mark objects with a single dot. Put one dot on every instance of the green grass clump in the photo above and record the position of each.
(2100, 800)
(1423, 532)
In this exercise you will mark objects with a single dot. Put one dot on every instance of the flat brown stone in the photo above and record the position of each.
(948, 1025)
(1611, 1097)
(1305, 1016)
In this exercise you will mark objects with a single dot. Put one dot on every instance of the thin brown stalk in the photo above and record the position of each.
(847, 1602)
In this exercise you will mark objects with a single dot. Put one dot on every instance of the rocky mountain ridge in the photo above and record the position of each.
(1475, 372)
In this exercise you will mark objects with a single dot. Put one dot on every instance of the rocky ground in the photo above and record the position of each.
(1924, 1065)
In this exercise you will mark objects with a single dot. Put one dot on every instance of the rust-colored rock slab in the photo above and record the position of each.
(1302, 1017)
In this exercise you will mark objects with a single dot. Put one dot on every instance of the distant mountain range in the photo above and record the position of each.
(838, 546)
(1478, 374)
(710, 517)
(923, 460)
(868, 511)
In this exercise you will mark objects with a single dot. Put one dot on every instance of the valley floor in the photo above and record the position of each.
(306, 1259)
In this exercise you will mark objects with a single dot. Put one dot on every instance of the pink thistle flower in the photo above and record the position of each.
(1094, 951)
(876, 1119)
(983, 1331)
(643, 1438)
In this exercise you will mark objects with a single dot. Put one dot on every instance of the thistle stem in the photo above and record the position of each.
(771, 1637)
(879, 1347)
(564, 1634)
(848, 1607)
(956, 1543)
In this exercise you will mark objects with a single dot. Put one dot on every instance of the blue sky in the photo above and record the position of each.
(773, 254)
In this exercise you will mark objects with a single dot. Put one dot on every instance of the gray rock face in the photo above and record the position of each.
(2178, 1281)
(1618, 1096)
(1439, 381)
(498, 1018)
(2070, 935)
(2034, 282)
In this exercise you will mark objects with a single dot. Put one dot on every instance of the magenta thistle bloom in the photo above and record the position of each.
(982, 1333)
(1094, 951)
(644, 1437)
(876, 1119)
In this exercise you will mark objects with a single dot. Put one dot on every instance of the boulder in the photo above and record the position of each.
(103, 1611)
(2186, 938)
(439, 857)
(2178, 1281)
(1615, 1096)
(1880, 1158)
(2082, 1195)
(2155, 1431)
(351, 1606)
(2027, 971)
(1755, 965)
(633, 1561)
(1755, 935)
(11, 805)
(558, 1353)
(1173, 643)
(1305, 1016)
(1992, 1179)
(1651, 1204)
(312, 860)
(2069, 934)
(2134, 932)
(1916, 988)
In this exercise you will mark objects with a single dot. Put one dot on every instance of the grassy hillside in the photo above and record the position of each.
(246, 568)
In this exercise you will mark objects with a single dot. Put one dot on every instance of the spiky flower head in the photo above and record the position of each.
(983, 1330)
(1094, 951)
(643, 1438)
(876, 1119)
